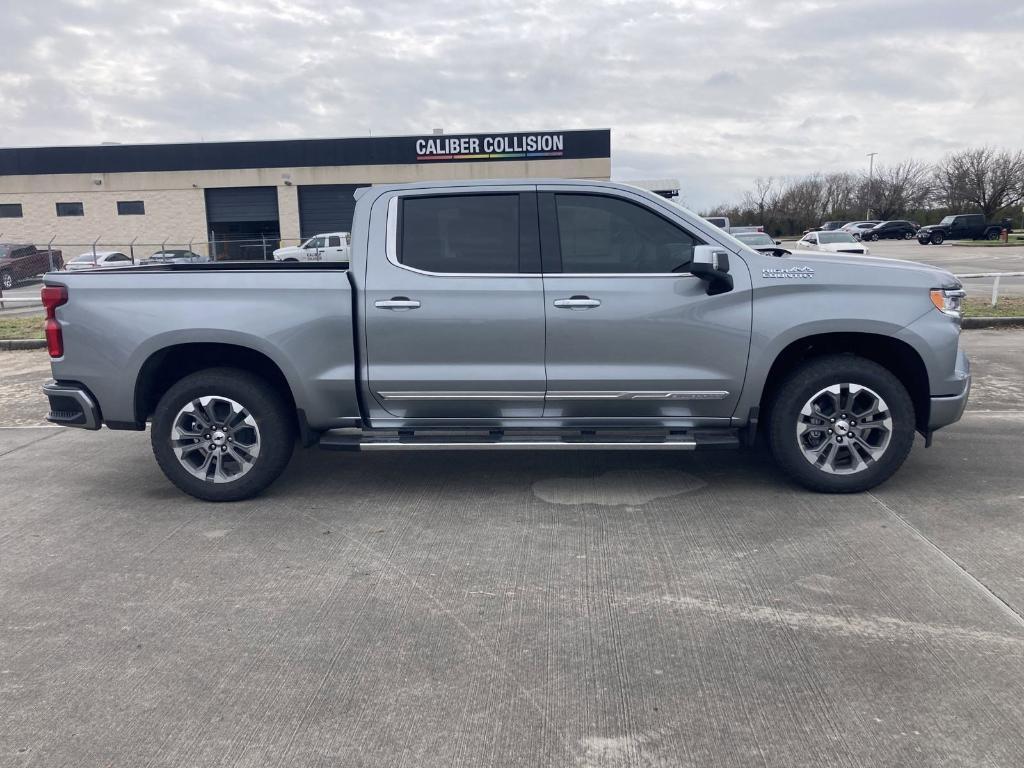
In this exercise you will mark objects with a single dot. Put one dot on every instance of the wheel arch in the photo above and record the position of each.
(168, 365)
(897, 356)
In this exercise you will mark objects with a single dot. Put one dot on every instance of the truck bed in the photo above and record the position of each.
(121, 324)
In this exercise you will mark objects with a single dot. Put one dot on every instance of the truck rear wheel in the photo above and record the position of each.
(841, 424)
(222, 434)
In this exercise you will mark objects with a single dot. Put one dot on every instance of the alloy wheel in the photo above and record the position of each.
(215, 439)
(844, 429)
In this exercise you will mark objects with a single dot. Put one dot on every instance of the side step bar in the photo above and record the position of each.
(344, 440)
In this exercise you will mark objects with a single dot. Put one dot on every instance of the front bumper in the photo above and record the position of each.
(71, 405)
(948, 409)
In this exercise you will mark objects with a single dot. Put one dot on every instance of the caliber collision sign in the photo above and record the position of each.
(502, 146)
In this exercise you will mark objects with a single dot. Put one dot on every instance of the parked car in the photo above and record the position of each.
(858, 228)
(486, 315)
(961, 226)
(897, 229)
(760, 241)
(177, 256)
(19, 261)
(90, 260)
(722, 222)
(330, 246)
(833, 242)
(827, 226)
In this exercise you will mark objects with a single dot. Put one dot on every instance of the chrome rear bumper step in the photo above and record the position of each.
(343, 440)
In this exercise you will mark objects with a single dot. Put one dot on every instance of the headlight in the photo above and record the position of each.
(949, 301)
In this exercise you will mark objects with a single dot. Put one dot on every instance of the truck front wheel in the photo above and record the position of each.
(937, 238)
(222, 434)
(841, 424)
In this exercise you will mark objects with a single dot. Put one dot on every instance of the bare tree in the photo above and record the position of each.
(762, 198)
(900, 188)
(989, 179)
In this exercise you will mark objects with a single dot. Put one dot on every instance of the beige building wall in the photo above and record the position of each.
(172, 215)
(288, 214)
(176, 206)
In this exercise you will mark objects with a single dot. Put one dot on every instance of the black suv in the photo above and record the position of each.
(888, 230)
(962, 226)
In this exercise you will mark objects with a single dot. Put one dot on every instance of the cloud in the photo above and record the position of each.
(714, 92)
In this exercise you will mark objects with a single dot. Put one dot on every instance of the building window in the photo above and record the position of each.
(70, 209)
(131, 208)
(10, 210)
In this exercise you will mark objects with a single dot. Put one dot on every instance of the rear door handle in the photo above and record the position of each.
(577, 302)
(398, 303)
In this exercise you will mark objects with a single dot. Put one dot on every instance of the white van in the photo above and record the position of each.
(330, 246)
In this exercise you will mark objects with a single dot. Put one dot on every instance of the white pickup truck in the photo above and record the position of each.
(329, 246)
(722, 222)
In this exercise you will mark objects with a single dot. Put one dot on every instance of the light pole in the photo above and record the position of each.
(871, 177)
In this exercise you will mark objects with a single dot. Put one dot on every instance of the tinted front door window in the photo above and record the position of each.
(605, 235)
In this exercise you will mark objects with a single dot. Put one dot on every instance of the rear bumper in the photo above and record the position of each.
(948, 409)
(71, 405)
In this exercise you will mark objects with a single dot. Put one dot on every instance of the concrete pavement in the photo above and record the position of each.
(590, 609)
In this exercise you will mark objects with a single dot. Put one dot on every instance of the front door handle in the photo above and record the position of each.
(577, 302)
(398, 303)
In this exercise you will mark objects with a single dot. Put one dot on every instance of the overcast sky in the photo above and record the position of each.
(712, 92)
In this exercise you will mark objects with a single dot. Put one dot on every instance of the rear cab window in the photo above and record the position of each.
(460, 234)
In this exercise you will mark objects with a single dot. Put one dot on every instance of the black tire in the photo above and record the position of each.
(907, 235)
(937, 238)
(874, 237)
(814, 377)
(992, 236)
(6, 281)
(924, 240)
(275, 432)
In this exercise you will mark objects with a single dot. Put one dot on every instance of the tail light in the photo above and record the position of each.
(53, 296)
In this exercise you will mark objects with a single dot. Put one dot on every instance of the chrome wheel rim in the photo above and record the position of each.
(216, 439)
(844, 429)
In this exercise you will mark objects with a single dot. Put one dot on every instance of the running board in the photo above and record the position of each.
(497, 440)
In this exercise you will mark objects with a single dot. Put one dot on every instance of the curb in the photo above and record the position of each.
(985, 322)
(8, 344)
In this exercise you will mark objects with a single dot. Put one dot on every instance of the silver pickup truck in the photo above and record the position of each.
(513, 315)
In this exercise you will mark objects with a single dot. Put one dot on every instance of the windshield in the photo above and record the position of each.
(826, 238)
(947, 220)
(754, 238)
(85, 257)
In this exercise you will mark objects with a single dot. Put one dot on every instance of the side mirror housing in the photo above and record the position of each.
(711, 264)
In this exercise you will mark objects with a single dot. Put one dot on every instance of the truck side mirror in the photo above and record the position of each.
(711, 264)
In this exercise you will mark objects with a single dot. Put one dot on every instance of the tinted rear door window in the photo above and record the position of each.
(469, 234)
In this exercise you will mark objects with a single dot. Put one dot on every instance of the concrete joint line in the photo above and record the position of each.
(53, 433)
(1005, 606)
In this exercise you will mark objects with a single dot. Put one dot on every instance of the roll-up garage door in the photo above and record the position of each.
(241, 204)
(326, 208)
